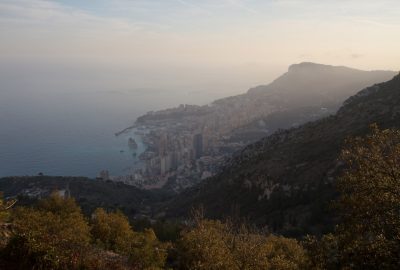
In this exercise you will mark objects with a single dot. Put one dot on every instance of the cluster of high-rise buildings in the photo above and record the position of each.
(186, 144)
(171, 150)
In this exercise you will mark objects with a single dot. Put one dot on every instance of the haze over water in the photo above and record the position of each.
(61, 120)
(72, 73)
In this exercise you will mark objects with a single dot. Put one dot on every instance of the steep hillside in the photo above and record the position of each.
(189, 143)
(285, 181)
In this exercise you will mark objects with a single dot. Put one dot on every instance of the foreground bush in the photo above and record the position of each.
(5, 226)
(216, 245)
(368, 234)
(369, 205)
(53, 235)
(113, 232)
(147, 252)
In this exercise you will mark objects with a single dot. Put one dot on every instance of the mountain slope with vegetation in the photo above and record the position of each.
(306, 92)
(285, 181)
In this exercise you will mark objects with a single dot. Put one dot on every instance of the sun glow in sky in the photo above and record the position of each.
(256, 39)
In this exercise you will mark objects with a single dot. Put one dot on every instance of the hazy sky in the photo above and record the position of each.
(208, 42)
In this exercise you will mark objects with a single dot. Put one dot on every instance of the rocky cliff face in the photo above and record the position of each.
(285, 181)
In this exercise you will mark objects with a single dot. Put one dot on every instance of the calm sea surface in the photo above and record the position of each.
(71, 133)
(61, 120)
(64, 136)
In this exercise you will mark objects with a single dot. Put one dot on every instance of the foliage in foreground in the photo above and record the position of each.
(112, 231)
(215, 245)
(368, 235)
(54, 234)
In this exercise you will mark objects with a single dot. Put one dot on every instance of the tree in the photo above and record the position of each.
(369, 204)
(284, 253)
(5, 206)
(147, 252)
(217, 245)
(205, 246)
(53, 235)
(111, 231)
(5, 230)
(322, 253)
(60, 205)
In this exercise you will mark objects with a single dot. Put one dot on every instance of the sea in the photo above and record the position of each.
(62, 123)
(64, 135)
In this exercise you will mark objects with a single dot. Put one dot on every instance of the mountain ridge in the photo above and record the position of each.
(306, 92)
(285, 181)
